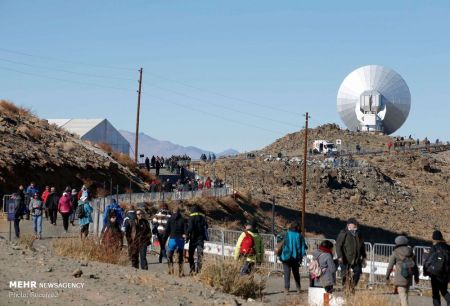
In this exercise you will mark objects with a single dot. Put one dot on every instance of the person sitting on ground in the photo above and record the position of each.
(175, 235)
(249, 248)
(324, 257)
(111, 236)
(293, 250)
(405, 268)
(437, 266)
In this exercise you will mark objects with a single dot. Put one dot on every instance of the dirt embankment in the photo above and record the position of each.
(392, 193)
(33, 150)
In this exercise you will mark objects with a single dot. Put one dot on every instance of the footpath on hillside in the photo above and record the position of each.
(108, 284)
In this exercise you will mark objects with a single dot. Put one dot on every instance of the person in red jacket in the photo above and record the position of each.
(208, 182)
(44, 200)
(65, 208)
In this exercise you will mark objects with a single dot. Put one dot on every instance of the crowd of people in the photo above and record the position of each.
(172, 164)
(186, 184)
(48, 204)
(171, 231)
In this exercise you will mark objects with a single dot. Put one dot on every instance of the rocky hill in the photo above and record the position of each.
(33, 150)
(398, 192)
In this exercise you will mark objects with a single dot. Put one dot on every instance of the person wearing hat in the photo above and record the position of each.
(65, 208)
(351, 253)
(84, 221)
(249, 248)
(404, 261)
(437, 266)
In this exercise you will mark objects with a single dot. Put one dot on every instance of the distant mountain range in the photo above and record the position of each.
(151, 146)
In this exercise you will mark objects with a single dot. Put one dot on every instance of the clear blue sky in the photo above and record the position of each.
(284, 55)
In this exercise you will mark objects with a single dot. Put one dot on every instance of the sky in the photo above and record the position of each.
(220, 74)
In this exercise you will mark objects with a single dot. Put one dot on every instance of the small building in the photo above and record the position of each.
(96, 131)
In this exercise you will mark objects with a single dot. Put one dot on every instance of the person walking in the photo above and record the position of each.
(44, 197)
(147, 164)
(175, 236)
(84, 214)
(112, 236)
(324, 258)
(118, 211)
(36, 208)
(351, 253)
(249, 248)
(65, 208)
(294, 249)
(437, 266)
(197, 233)
(74, 201)
(403, 260)
(29, 194)
(19, 209)
(138, 236)
(157, 166)
(153, 161)
(52, 205)
(159, 228)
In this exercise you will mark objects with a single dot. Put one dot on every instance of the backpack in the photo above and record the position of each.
(247, 245)
(437, 263)
(80, 211)
(314, 269)
(407, 267)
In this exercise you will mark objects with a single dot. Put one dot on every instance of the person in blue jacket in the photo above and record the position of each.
(114, 206)
(294, 249)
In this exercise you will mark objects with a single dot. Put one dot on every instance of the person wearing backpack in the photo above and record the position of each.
(293, 250)
(322, 268)
(437, 266)
(403, 260)
(249, 248)
(84, 214)
(114, 206)
(197, 233)
(351, 253)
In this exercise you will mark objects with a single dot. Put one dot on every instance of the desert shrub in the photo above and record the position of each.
(27, 241)
(105, 147)
(224, 276)
(69, 147)
(88, 250)
(124, 159)
(23, 130)
(9, 107)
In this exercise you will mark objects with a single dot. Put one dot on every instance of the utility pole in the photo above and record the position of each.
(305, 155)
(136, 144)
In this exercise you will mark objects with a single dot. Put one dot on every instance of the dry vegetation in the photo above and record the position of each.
(27, 241)
(88, 250)
(224, 276)
(10, 108)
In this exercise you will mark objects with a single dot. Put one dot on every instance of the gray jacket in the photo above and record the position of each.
(326, 262)
(398, 256)
(36, 207)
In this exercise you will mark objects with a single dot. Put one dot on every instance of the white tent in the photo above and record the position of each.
(95, 130)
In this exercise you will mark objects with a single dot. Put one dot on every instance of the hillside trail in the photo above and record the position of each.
(108, 284)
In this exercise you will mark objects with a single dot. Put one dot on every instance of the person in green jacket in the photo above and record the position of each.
(249, 248)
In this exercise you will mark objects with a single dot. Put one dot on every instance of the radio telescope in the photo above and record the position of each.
(374, 98)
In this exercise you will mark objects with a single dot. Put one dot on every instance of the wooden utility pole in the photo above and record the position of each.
(305, 155)
(136, 144)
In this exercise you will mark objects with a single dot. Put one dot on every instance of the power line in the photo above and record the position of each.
(224, 107)
(227, 96)
(64, 61)
(65, 80)
(215, 115)
(66, 71)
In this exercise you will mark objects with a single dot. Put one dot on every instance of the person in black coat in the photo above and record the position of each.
(138, 234)
(351, 253)
(439, 282)
(147, 164)
(175, 236)
(197, 232)
(52, 205)
(19, 210)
